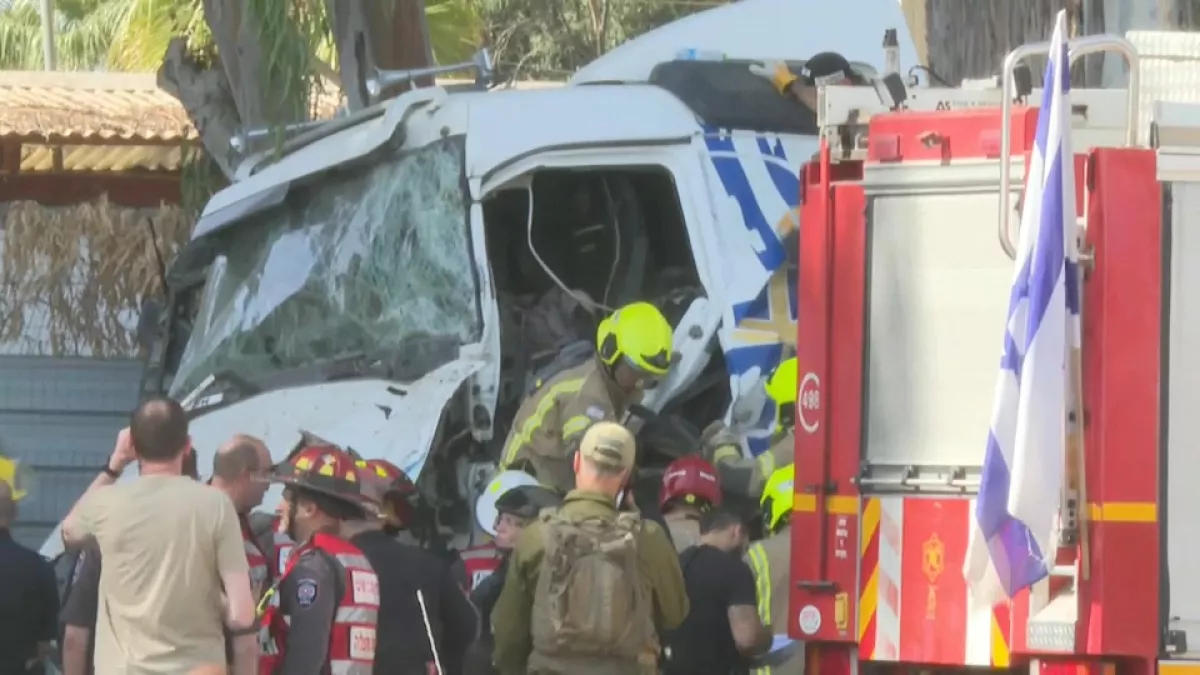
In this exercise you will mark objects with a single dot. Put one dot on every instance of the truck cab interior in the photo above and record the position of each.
(612, 236)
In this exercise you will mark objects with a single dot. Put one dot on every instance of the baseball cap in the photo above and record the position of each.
(610, 445)
(827, 67)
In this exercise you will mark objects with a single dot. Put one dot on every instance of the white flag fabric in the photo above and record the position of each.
(1013, 535)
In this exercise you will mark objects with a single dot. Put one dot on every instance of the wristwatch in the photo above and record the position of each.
(110, 472)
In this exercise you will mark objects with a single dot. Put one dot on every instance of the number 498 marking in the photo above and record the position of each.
(810, 402)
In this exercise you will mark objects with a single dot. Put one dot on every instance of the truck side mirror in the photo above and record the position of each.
(149, 324)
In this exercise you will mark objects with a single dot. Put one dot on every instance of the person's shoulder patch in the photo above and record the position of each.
(306, 592)
(596, 412)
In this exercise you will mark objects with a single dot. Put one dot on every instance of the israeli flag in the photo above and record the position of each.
(1013, 541)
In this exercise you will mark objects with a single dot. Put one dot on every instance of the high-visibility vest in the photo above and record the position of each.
(480, 562)
(260, 568)
(352, 635)
(770, 560)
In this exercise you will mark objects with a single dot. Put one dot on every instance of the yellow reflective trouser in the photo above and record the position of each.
(761, 566)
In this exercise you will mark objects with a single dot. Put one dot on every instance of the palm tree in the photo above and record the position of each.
(132, 35)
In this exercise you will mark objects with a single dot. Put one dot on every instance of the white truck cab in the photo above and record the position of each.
(361, 286)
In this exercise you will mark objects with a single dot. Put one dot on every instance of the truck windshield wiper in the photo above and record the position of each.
(234, 388)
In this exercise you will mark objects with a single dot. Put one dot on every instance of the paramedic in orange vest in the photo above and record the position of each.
(633, 351)
(690, 487)
(479, 562)
(320, 616)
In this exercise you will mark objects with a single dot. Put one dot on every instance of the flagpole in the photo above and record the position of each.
(49, 53)
(1076, 458)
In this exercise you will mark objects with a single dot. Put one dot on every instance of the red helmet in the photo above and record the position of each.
(398, 491)
(326, 469)
(690, 480)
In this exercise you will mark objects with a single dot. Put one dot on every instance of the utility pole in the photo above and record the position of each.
(49, 56)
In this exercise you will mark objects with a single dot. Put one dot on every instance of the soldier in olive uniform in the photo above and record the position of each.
(525, 636)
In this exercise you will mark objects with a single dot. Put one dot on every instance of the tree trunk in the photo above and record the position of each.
(204, 92)
(970, 38)
(374, 35)
(227, 96)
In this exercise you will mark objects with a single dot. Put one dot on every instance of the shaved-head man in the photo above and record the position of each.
(240, 470)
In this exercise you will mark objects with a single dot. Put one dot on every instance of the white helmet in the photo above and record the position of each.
(485, 506)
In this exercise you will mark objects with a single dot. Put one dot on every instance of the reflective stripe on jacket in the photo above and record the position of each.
(260, 569)
(480, 562)
(770, 560)
(549, 424)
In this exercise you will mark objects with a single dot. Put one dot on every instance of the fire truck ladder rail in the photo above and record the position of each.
(1079, 47)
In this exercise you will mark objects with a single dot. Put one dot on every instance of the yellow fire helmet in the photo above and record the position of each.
(781, 387)
(781, 383)
(640, 334)
(16, 474)
(778, 497)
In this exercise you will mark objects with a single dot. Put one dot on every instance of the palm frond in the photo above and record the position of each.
(455, 29)
(147, 26)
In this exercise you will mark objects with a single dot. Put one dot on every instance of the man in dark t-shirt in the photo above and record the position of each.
(79, 613)
(723, 628)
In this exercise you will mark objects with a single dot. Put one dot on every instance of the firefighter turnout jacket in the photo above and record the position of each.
(327, 610)
(770, 560)
(549, 424)
(741, 475)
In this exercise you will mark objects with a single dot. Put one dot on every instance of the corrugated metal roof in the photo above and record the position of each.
(90, 106)
(113, 121)
(102, 158)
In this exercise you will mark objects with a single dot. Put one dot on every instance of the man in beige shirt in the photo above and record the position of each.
(170, 545)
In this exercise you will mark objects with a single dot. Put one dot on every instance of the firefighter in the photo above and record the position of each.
(690, 487)
(320, 615)
(744, 476)
(409, 576)
(825, 68)
(770, 560)
(633, 350)
(479, 562)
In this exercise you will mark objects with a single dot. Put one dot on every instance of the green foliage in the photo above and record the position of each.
(455, 29)
(550, 39)
(132, 35)
(289, 35)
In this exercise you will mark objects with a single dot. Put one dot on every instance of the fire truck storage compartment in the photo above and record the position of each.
(937, 298)
(1182, 526)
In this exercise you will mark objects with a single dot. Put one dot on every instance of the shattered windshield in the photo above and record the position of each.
(360, 261)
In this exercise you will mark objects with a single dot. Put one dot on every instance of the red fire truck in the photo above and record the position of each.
(903, 294)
